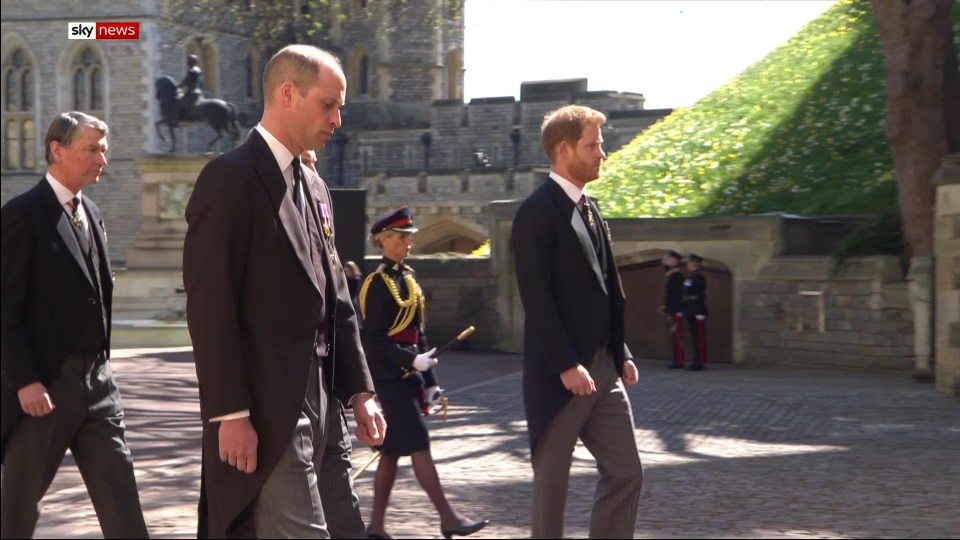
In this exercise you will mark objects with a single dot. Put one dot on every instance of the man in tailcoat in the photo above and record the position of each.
(272, 323)
(575, 361)
(58, 389)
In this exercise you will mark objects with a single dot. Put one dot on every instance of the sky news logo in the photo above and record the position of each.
(103, 30)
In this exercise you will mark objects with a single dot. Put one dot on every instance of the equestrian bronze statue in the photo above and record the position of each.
(184, 103)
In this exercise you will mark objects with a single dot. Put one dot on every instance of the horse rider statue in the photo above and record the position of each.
(184, 103)
(192, 86)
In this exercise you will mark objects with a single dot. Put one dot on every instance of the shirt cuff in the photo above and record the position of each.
(358, 394)
(232, 416)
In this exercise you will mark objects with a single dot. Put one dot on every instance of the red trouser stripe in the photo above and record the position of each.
(677, 339)
(702, 339)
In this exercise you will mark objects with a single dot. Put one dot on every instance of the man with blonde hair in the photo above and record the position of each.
(575, 361)
(273, 328)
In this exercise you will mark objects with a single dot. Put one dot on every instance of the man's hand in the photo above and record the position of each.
(578, 380)
(630, 374)
(35, 400)
(371, 427)
(238, 444)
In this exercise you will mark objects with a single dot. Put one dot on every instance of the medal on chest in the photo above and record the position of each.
(325, 220)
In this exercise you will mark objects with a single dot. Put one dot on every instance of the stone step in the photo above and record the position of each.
(139, 333)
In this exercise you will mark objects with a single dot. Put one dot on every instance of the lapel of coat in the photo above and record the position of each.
(58, 215)
(100, 236)
(271, 176)
(608, 242)
(318, 195)
(569, 210)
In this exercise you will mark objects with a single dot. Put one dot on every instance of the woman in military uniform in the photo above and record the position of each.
(394, 315)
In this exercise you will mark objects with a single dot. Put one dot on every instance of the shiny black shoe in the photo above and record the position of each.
(466, 529)
(696, 367)
(672, 365)
(374, 535)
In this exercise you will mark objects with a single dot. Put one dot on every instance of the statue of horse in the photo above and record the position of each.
(217, 113)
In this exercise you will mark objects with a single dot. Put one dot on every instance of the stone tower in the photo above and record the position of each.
(399, 57)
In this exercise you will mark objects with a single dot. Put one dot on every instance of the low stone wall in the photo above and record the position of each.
(799, 311)
(460, 291)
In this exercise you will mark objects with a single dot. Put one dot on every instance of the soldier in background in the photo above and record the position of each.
(695, 310)
(673, 305)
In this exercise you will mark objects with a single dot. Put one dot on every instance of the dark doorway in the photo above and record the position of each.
(350, 217)
(647, 331)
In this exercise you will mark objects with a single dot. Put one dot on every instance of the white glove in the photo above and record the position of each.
(423, 361)
(433, 395)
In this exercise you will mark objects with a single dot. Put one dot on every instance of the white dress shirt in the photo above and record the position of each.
(569, 187)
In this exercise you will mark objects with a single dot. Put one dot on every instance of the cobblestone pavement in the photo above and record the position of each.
(728, 452)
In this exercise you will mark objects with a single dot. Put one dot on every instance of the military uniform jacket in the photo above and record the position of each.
(673, 294)
(393, 309)
(695, 294)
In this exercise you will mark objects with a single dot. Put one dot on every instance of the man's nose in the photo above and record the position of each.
(336, 120)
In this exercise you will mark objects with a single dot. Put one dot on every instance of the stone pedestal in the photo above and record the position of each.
(148, 302)
(947, 276)
(167, 184)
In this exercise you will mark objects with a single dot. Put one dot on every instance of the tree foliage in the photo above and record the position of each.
(273, 24)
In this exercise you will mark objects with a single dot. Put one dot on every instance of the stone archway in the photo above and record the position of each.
(448, 234)
(647, 331)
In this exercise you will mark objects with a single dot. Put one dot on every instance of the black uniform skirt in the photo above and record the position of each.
(406, 431)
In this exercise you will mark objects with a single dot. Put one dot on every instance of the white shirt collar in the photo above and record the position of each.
(569, 187)
(63, 194)
(280, 152)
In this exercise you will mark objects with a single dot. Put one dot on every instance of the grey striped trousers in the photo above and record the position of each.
(604, 422)
(341, 506)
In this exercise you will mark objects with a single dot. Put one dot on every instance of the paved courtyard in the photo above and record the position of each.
(728, 452)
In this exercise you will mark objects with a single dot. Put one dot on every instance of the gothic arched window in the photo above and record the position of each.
(254, 74)
(364, 75)
(88, 82)
(19, 128)
(207, 57)
(358, 71)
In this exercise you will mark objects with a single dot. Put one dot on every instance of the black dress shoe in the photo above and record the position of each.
(695, 367)
(375, 535)
(671, 365)
(464, 530)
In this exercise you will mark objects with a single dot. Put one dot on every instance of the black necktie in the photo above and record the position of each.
(298, 188)
(587, 213)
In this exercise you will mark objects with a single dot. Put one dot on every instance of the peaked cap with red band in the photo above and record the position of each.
(399, 220)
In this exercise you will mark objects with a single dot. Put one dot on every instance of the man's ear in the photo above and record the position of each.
(56, 147)
(286, 91)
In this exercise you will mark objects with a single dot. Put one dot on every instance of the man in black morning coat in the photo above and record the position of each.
(575, 361)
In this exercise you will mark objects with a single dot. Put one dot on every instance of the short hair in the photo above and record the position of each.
(297, 63)
(376, 239)
(66, 125)
(566, 124)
